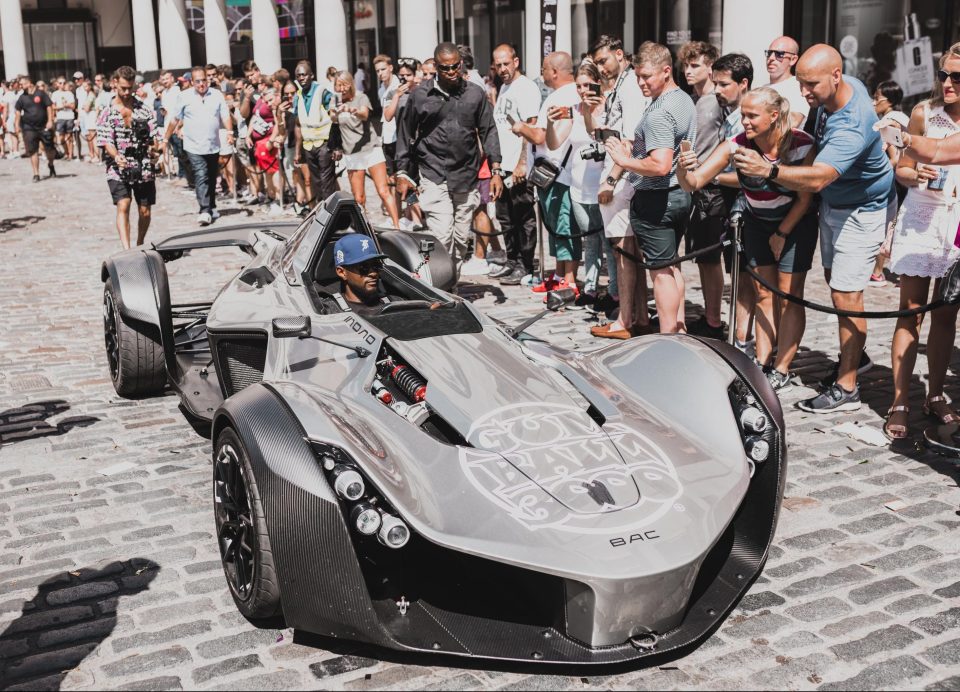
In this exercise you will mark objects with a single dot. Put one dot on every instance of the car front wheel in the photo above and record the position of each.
(242, 531)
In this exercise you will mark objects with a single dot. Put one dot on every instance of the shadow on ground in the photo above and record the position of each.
(19, 222)
(70, 616)
(29, 421)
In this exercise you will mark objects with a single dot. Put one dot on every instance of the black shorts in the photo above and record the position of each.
(659, 219)
(708, 216)
(145, 193)
(64, 126)
(33, 138)
(798, 248)
(390, 154)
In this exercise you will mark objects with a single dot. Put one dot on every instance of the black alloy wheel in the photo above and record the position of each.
(110, 336)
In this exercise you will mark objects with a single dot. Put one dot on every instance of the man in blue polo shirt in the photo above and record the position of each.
(854, 178)
(203, 112)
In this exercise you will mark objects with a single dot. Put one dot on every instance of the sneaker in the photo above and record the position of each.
(748, 347)
(585, 299)
(550, 284)
(36, 178)
(204, 219)
(605, 303)
(703, 328)
(475, 266)
(863, 366)
(497, 257)
(406, 224)
(53, 171)
(833, 398)
(514, 277)
(530, 279)
(275, 210)
(214, 215)
(497, 272)
(777, 379)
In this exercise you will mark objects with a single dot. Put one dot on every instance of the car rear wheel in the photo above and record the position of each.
(242, 531)
(135, 355)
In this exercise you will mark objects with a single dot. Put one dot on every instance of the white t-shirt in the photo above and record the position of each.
(168, 100)
(520, 99)
(10, 100)
(585, 174)
(385, 92)
(360, 80)
(564, 96)
(623, 110)
(61, 98)
(790, 90)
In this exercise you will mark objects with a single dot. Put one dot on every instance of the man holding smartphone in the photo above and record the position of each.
(518, 101)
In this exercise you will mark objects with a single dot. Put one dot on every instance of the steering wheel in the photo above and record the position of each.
(401, 306)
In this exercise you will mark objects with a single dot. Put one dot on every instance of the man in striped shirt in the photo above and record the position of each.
(660, 210)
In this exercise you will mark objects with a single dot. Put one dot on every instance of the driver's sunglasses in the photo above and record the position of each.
(449, 68)
(954, 77)
(778, 54)
(364, 268)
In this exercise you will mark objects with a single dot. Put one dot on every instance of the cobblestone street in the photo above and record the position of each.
(109, 570)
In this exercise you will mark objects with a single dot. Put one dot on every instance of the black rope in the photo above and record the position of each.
(869, 314)
(571, 236)
(488, 235)
(670, 263)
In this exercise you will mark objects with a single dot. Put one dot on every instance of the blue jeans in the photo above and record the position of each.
(206, 168)
(586, 217)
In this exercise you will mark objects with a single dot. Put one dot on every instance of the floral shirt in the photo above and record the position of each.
(111, 129)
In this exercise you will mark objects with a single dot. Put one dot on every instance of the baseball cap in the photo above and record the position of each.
(78, 75)
(354, 248)
(186, 77)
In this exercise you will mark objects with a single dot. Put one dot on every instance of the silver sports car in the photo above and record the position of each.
(427, 479)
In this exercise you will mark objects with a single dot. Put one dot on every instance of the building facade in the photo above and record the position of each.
(47, 37)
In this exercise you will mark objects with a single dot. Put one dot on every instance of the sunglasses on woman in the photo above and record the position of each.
(954, 77)
(407, 62)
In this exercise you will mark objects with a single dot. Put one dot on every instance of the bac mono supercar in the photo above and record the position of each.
(427, 479)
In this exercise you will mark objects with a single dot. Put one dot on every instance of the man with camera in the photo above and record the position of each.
(518, 101)
(34, 120)
(623, 107)
(128, 131)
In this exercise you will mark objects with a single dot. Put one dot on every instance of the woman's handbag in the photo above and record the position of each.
(950, 285)
(545, 172)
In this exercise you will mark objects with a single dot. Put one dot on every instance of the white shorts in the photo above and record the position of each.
(849, 242)
(616, 214)
(226, 149)
(363, 160)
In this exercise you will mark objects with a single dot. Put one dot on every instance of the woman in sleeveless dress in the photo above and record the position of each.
(922, 249)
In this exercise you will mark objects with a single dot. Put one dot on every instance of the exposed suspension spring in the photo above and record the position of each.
(409, 382)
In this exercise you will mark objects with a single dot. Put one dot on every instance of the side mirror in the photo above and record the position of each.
(290, 327)
(557, 299)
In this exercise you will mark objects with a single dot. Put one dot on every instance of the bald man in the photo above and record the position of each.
(854, 178)
(781, 56)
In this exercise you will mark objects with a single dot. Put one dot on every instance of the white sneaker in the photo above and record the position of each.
(275, 210)
(475, 266)
(214, 215)
(204, 219)
(406, 224)
(749, 347)
(527, 280)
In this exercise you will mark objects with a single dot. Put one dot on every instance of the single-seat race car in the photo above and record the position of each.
(427, 479)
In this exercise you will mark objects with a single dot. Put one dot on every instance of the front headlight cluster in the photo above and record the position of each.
(367, 513)
(755, 426)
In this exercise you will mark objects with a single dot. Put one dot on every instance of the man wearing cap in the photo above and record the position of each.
(358, 264)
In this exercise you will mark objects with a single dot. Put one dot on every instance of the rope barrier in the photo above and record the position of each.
(670, 263)
(866, 314)
(572, 236)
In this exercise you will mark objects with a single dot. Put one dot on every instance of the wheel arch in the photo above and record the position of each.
(309, 537)
(142, 293)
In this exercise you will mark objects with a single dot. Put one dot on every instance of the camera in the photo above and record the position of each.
(593, 152)
(138, 153)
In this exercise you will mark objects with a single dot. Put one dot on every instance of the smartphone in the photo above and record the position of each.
(566, 112)
(602, 134)
(686, 145)
(594, 89)
(510, 119)
(892, 135)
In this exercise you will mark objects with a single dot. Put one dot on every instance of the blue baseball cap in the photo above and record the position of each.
(354, 248)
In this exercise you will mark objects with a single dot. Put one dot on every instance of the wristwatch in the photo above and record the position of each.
(781, 234)
(611, 181)
(497, 172)
(774, 172)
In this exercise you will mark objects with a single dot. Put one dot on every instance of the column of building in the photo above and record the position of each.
(14, 45)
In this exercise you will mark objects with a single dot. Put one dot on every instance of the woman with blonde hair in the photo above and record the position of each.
(779, 225)
(362, 152)
(922, 248)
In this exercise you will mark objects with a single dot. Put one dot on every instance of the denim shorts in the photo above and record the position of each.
(850, 240)
(798, 247)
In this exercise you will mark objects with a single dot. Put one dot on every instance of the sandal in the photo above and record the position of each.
(946, 418)
(895, 431)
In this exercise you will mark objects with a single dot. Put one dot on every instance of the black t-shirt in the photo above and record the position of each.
(365, 310)
(33, 109)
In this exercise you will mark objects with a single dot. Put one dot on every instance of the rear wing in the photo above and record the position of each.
(240, 235)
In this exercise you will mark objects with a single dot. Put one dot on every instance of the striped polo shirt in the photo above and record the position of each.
(670, 118)
(767, 200)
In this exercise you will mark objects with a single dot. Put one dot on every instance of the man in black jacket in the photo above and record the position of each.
(445, 123)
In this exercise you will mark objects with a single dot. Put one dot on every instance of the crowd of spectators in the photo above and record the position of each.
(617, 156)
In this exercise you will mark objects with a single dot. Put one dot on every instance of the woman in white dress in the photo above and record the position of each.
(922, 249)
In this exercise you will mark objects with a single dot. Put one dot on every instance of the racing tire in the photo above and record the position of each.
(242, 536)
(134, 352)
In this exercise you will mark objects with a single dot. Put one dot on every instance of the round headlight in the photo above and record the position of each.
(348, 483)
(757, 448)
(365, 518)
(752, 419)
(393, 532)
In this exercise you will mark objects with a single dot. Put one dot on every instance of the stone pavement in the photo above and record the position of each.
(110, 578)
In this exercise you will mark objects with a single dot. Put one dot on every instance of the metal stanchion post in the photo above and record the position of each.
(737, 226)
(538, 277)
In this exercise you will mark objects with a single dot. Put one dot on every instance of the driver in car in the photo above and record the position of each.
(358, 264)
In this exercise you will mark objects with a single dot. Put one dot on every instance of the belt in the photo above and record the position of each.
(669, 189)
